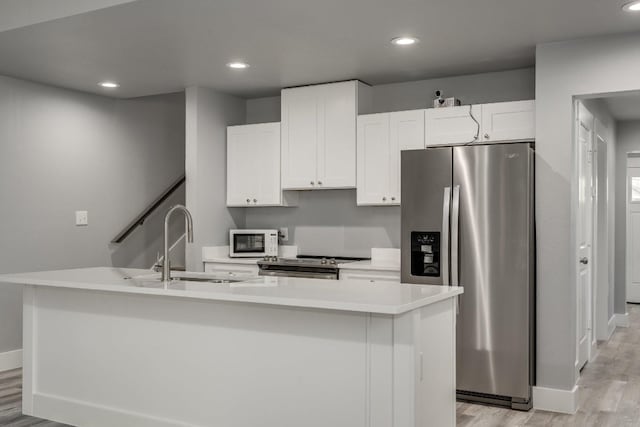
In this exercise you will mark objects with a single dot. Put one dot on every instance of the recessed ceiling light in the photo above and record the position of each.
(404, 41)
(238, 65)
(633, 6)
(109, 85)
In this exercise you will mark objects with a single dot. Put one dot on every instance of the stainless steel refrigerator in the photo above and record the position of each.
(468, 220)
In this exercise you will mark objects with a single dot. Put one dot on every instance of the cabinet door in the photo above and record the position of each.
(337, 135)
(452, 125)
(241, 165)
(299, 137)
(406, 133)
(370, 275)
(253, 165)
(508, 121)
(374, 152)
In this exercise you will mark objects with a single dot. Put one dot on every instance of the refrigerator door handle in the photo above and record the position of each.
(455, 229)
(444, 246)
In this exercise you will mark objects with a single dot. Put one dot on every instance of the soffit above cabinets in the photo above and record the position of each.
(160, 46)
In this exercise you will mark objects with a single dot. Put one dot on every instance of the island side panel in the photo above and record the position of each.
(105, 359)
(424, 366)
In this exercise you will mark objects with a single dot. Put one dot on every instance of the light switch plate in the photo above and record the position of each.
(284, 234)
(82, 218)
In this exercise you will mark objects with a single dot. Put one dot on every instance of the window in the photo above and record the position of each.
(635, 189)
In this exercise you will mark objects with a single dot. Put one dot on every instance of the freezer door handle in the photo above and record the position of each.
(444, 245)
(455, 228)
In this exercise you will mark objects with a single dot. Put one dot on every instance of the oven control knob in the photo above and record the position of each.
(323, 261)
(332, 261)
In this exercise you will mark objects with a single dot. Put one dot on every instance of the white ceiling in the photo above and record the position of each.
(159, 46)
(624, 106)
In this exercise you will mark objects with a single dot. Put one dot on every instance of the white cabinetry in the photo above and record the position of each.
(508, 121)
(497, 122)
(253, 165)
(370, 275)
(381, 137)
(319, 136)
(452, 125)
(233, 270)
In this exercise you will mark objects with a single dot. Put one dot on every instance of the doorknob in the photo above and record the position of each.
(584, 260)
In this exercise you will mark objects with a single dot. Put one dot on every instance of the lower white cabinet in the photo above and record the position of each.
(371, 275)
(253, 166)
(380, 139)
(232, 270)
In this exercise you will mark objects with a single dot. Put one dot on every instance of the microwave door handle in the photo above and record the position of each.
(444, 244)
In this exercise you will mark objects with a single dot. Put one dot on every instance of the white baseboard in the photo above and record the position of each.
(611, 327)
(10, 360)
(555, 400)
(622, 320)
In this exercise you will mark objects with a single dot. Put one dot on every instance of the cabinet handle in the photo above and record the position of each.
(319, 182)
(248, 200)
(384, 199)
(313, 183)
(486, 136)
(255, 200)
(393, 199)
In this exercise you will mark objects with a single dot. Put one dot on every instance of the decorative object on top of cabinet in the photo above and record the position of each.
(441, 102)
(319, 135)
(484, 123)
(253, 166)
(381, 137)
(508, 121)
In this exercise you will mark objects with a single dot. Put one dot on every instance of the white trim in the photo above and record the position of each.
(555, 400)
(622, 320)
(10, 360)
(611, 327)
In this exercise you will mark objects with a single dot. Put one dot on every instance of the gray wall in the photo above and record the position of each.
(62, 151)
(564, 71)
(208, 113)
(628, 139)
(329, 222)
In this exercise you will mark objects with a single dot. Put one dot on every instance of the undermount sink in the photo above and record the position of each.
(178, 278)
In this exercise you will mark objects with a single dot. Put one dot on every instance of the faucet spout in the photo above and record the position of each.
(166, 264)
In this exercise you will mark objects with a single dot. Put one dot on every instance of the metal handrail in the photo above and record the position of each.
(140, 219)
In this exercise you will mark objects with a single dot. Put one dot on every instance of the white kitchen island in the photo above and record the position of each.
(113, 347)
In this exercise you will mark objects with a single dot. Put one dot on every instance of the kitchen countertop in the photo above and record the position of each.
(370, 265)
(344, 295)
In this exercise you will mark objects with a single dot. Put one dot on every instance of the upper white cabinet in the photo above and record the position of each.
(253, 165)
(453, 125)
(319, 135)
(381, 137)
(508, 121)
(498, 122)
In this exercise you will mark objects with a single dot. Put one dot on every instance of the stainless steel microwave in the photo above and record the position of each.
(253, 243)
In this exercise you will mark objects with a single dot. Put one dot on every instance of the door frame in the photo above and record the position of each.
(627, 206)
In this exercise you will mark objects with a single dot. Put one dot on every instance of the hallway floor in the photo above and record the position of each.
(609, 392)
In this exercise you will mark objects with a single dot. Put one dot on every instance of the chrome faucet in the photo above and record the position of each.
(166, 264)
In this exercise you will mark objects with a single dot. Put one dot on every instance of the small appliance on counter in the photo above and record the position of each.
(253, 243)
(306, 266)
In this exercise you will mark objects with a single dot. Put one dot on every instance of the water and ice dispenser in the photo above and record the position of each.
(425, 253)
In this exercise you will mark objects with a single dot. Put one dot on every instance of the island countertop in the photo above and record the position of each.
(343, 295)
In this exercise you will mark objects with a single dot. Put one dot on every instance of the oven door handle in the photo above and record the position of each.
(299, 274)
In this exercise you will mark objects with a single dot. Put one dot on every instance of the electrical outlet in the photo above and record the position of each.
(82, 218)
(284, 234)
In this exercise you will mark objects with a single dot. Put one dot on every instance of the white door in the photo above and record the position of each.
(253, 165)
(337, 116)
(374, 151)
(584, 133)
(406, 130)
(633, 229)
(453, 125)
(299, 137)
(508, 121)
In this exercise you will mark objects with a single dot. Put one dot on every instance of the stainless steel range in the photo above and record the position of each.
(313, 267)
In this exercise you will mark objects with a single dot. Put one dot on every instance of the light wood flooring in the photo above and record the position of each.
(609, 395)
(609, 390)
